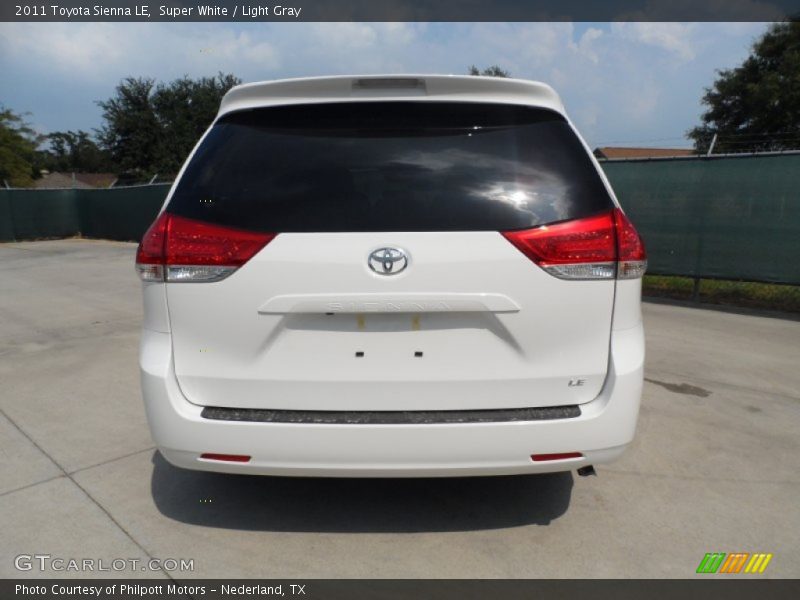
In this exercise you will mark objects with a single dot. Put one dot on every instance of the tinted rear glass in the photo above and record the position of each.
(390, 166)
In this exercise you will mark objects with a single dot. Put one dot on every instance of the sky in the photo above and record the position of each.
(623, 84)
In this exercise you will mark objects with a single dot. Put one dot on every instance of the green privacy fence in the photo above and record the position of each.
(113, 214)
(727, 218)
(30, 214)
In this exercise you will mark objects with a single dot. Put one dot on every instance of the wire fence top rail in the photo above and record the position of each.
(703, 157)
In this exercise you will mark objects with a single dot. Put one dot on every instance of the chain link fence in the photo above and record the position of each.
(717, 218)
(112, 213)
(722, 230)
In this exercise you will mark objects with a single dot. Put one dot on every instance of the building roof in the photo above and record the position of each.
(97, 180)
(612, 152)
(355, 88)
(76, 180)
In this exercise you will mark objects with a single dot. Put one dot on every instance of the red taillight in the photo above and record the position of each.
(226, 457)
(586, 248)
(150, 254)
(191, 242)
(560, 456)
(632, 256)
(180, 249)
(581, 241)
(151, 248)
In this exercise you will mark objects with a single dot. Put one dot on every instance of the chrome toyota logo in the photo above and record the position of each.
(388, 261)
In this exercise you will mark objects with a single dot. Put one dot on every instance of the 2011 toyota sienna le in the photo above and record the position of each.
(391, 276)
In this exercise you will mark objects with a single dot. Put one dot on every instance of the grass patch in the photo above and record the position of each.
(768, 296)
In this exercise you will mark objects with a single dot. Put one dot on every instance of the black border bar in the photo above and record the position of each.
(397, 10)
(730, 588)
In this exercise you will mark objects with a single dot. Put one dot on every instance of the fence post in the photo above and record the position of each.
(701, 213)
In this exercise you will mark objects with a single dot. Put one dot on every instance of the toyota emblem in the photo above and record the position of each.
(388, 261)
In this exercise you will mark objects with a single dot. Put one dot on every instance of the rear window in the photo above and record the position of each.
(390, 166)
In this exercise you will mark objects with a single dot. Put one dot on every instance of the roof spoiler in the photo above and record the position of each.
(453, 88)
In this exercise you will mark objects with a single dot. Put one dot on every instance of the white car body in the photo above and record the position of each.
(471, 324)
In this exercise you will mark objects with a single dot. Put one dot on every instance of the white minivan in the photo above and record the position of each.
(391, 276)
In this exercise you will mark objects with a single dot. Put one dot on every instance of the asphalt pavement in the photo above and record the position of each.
(712, 468)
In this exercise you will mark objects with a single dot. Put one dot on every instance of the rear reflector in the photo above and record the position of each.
(632, 256)
(561, 456)
(226, 457)
(599, 247)
(177, 249)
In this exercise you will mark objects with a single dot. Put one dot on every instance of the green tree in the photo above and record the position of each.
(493, 71)
(76, 151)
(756, 106)
(184, 109)
(151, 128)
(19, 158)
(131, 133)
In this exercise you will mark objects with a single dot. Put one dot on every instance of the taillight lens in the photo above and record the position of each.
(579, 249)
(598, 247)
(150, 254)
(177, 249)
(632, 256)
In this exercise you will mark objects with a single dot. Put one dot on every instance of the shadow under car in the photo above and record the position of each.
(373, 505)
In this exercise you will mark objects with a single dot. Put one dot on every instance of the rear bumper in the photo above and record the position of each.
(602, 431)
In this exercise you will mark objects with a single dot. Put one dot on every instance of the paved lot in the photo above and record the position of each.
(712, 468)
